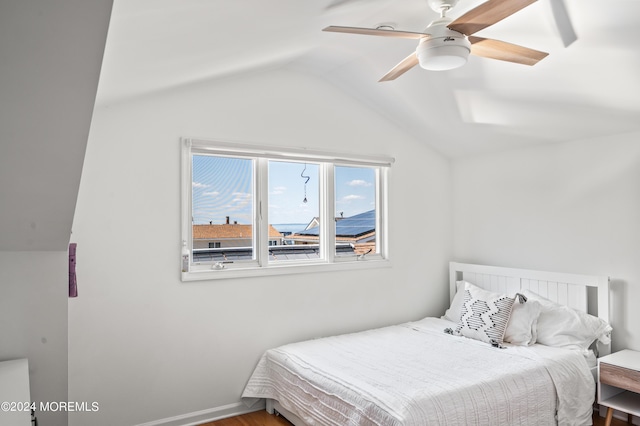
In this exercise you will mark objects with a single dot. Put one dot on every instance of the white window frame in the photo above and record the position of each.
(262, 266)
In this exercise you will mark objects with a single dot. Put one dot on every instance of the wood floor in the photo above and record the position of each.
(262, 418)
(257, 418)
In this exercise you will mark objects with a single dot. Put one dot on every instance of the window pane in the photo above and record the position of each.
(294, 206)
(355, 189)
(222, 212)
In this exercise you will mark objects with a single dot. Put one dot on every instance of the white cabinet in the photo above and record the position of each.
(15, 396)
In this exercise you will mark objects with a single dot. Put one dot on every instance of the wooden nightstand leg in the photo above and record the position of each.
(607, 421)
(629, 419)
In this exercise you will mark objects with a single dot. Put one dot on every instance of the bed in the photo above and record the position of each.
(472, 366)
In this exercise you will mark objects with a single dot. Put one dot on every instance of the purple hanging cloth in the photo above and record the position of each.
(73, 284)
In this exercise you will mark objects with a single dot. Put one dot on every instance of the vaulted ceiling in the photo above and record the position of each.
(52, 53)
(587, 89)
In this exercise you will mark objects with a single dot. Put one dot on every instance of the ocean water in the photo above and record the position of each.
(289, 227)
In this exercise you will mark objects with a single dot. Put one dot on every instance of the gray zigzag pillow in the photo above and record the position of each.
(485, 315)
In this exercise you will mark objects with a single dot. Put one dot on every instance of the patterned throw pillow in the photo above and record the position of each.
(485, 315)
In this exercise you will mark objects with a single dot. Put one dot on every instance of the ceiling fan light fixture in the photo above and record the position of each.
(443, 53)
(445, 45)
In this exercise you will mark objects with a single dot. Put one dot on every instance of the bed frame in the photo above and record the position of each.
(585, 293)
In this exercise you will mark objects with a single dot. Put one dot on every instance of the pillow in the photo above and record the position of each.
(564, 327)
(453, 313)
(485, 315)
(522, 327)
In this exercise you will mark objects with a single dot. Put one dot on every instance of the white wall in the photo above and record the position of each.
(572, 207)
(33, 323)
(148, 347)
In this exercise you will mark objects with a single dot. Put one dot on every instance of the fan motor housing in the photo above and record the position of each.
(445, 49)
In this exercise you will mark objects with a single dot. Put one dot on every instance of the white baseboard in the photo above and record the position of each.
(209, 415)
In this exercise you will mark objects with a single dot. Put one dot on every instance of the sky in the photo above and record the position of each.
(223, 186)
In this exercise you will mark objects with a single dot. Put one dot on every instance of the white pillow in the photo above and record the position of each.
(522, 327)
(485, 315)
(453, 313)
(564, 327)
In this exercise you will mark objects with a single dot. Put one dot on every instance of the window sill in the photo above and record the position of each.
(210, 274)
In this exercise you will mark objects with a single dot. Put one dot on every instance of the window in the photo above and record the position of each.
(294, 207)
(355, 199)
(249, 211)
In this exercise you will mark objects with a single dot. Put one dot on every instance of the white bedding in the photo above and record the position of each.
(414, 374)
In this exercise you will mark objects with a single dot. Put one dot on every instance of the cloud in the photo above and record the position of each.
(352, 197)
(211, 193)
(199, 185)
(278, 190)
(358, 182)
(241, 197)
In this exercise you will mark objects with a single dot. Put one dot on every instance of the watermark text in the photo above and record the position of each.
(53, 406)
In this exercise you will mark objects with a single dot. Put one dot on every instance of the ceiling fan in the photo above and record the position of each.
(446, 43)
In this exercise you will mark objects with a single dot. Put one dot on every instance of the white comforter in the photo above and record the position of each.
(414, 374)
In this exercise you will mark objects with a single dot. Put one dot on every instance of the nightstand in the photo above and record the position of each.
(619, 383)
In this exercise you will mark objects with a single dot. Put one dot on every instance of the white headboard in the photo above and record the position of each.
(567, 289)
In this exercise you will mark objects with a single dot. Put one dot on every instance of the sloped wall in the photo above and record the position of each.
(148, 347)
(51, 56)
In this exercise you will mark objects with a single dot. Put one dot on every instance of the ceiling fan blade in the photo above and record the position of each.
(376, 32)
(405, 65)
(503, 51)
(487, 14)
(563, 22)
